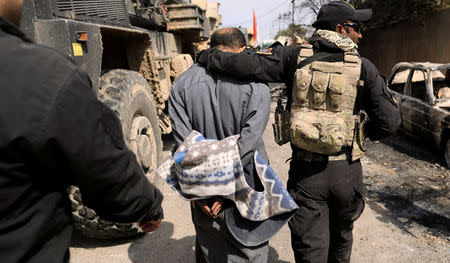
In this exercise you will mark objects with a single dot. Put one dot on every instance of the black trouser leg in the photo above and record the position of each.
(330, 197)
(346, 205)
(341, 240)
(308, 238)
(309, 226)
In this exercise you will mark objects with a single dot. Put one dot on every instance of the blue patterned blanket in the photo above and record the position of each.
(203, 168)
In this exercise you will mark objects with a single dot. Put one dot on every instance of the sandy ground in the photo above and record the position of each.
(406, 217)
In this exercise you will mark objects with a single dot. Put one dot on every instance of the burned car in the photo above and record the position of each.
(422, 92)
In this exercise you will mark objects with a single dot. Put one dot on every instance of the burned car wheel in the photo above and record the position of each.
(127, 94)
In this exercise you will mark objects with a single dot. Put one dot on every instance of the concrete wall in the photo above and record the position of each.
(427, 41)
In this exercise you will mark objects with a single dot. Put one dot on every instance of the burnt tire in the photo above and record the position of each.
(128, 95)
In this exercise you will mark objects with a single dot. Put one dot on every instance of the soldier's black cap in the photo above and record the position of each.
(339, 12)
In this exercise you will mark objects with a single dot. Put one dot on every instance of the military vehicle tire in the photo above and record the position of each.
(447, 153)
(128, 95)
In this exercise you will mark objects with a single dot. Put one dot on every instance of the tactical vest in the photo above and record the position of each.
(323, 100)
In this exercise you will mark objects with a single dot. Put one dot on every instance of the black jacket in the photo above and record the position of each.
(55, 133)
(279, 63)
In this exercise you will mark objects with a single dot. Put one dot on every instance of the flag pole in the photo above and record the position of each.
(255, 28)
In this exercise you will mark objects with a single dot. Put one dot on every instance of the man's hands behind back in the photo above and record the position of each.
(210, 209)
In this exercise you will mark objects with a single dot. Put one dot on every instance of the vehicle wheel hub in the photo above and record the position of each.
(142, 143)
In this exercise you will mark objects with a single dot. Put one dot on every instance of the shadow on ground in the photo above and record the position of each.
(404, 214)
(157, 247)
(160, 247)
(80, 241)
(274, 257)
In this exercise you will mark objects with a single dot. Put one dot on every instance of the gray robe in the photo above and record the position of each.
(218, 106)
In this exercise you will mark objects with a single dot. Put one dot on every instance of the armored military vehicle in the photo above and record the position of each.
(132, 51)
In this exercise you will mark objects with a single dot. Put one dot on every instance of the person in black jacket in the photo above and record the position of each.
(328, 190)
(55, 133)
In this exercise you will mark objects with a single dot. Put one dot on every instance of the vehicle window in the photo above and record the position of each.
(417, 87)
(441, 89)
(398, 81)
(419, 90)
(442, 85)
(397, 87)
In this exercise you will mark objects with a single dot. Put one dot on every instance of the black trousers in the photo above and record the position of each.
(330, 195)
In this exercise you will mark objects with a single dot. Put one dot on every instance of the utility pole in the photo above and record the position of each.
(271, 30)
(293, 23)
(279, 22)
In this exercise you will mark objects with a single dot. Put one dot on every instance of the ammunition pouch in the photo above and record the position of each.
(329, 140)
(358, 148)
(321, 132)
(281, 125)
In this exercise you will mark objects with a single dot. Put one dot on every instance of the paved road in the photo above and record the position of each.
(376, 239)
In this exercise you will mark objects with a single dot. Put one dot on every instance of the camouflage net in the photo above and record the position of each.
(388, 12)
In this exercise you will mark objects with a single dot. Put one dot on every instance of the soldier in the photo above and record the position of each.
(55, 133)
(334, 97)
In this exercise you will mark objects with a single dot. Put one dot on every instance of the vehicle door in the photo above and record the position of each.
(397, 90)
(415, 110)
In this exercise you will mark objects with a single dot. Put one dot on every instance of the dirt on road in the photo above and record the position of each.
(407, 215)
(408, 187)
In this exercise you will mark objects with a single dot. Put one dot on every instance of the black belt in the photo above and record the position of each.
(307, 156)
